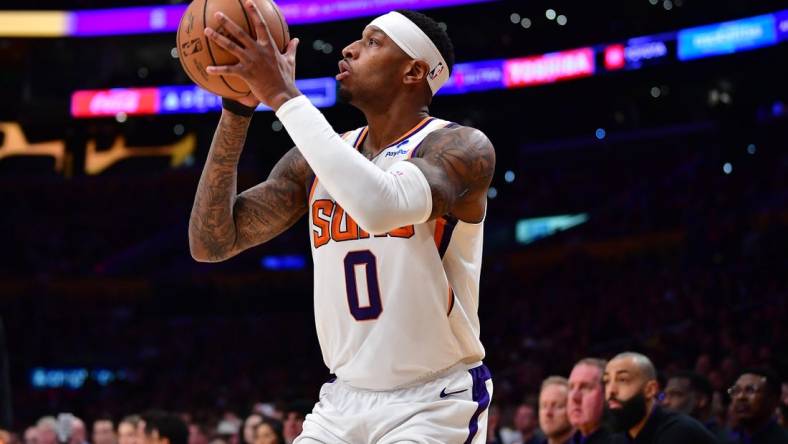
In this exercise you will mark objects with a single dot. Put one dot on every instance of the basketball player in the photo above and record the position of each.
(396, 212)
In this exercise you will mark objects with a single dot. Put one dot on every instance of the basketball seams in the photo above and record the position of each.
(282, 23)
(194, 58)
(210, 52)
(248, 23)
(195, 78)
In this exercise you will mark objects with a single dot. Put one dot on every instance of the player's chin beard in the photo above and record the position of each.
(632, 411)
(344, 95)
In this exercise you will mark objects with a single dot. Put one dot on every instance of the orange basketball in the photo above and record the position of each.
(196, 52)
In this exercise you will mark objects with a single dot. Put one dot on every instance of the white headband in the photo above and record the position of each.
(408, 36)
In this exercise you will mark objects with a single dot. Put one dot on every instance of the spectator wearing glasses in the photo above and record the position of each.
(754, 400)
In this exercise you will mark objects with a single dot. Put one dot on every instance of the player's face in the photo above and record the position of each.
(586, 397)
(371, 68)
(552, 410)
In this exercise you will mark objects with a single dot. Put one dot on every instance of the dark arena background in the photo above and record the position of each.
(640, 203)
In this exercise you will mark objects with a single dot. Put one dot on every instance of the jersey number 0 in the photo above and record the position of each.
(366, 260)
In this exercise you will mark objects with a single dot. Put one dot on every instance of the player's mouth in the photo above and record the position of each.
(344, 71)
(613, 404)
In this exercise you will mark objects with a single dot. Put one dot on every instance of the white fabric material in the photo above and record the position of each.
(378, 200)
(408, 36)
(397, 326)
(414, 415)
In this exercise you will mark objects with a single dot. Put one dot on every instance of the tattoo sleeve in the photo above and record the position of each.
(459, 164)
(224, 223)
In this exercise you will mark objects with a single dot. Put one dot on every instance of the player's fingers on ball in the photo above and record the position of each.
(260, 25)
(233, 29)
(225, 70)
(232, 47)
(292, 46)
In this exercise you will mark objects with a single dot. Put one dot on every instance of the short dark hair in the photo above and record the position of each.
(277, 427)
(698, 383)
(169, 425)
(435, 32)
(773, 382)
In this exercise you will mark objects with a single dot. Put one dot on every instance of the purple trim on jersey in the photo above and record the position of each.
(357, 143)
(412, 132)
(413, 153)
(479, 374)
(448, 229)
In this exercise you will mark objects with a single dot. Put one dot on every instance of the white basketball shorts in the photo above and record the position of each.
(449, 409)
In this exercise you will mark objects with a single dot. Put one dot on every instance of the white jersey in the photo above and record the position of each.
(394, 309)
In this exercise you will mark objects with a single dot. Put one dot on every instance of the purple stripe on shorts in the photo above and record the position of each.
(479, 374)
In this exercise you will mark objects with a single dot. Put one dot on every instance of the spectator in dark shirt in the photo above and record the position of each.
(526, 424)
(587, 402)
(755, 398)
(631, 390)
(164, 428)
(691, 394)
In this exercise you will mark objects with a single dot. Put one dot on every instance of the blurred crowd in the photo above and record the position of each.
(619, 401)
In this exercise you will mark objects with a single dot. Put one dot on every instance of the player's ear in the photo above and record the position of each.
(415, 71)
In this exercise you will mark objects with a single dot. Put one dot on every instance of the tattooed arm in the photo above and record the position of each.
(458, 164)
(222, 224)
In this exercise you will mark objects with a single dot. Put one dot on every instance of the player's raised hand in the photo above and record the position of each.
(269, 73)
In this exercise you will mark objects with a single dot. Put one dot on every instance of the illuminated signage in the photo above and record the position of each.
(120, 21)
(474, 76)
(73, 378)
(34, 23)
(165, 18)
(549, 68)
(727, 38)
(614, 57)
(313, 11)
(782, 25)
(642, 50)
(96, 161)
(15, 144)
(283, 262)
(178, 99)
(131, 101)
(530, 230)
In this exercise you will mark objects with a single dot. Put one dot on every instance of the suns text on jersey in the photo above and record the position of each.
(330, 222)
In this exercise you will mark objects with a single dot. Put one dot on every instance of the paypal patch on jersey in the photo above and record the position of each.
(399, 152)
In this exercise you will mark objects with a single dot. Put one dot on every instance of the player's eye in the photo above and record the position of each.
(371, 42)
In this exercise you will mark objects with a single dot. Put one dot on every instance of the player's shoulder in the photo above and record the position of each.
(456, 136)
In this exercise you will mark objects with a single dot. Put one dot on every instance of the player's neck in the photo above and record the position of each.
(388, 125)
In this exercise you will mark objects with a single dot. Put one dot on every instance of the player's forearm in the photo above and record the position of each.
(379, 201)
(212, 229)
